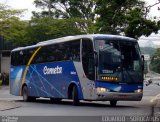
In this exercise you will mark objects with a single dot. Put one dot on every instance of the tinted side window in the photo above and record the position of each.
(72, 50)
(21, 57)
(28, 54)
(14, 58)
(59, 52)
(56, 52)
(17, 58)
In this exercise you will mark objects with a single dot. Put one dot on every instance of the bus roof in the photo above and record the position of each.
(70, 38)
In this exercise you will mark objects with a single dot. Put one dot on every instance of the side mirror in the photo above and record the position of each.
(142, 57)
(95, 58)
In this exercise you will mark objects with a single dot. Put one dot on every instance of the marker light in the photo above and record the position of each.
(109, 78)
(138, 91)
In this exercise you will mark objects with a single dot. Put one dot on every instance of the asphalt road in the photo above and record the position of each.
(44, 107)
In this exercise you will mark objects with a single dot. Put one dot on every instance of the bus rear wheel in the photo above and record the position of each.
(113, 103)
(26, 97)
(75, 96)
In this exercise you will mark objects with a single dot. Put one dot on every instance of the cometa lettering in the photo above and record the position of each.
(50, 71)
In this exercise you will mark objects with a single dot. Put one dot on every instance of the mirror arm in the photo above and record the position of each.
(142, 57)
(95, 58)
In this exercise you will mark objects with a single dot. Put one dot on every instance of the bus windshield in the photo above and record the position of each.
(119, 58)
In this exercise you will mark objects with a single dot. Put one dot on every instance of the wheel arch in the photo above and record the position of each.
(70, 88)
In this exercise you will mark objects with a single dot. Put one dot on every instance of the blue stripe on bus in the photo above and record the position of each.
(46, 80)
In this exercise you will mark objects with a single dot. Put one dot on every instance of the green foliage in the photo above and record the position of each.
(6, 13)
(155, 61)
(15, 31)
(66, 8)
(82, 9)
(42, 29)
(71, 17)
(124, 17)
(23, 33)
(11, 28)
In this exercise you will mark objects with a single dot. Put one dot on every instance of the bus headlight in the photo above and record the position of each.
(138, 91)
(99, 89)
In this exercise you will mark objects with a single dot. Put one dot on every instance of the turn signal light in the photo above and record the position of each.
(100, 90)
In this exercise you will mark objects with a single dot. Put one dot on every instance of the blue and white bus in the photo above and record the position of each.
(93, 67)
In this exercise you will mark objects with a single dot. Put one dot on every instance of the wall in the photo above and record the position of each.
(5, 64)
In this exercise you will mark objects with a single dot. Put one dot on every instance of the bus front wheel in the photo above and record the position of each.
(27, 98)
(113, 103)
(75, 96)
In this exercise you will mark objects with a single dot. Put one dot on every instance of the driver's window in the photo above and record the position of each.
(88, 58)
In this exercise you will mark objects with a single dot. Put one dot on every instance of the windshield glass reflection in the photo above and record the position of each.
(120, 58)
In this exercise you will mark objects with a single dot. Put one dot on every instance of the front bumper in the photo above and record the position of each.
(107, 96)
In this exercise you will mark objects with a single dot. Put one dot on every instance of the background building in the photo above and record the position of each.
(5, 49)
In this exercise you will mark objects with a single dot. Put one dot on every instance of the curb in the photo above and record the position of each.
(7, 105)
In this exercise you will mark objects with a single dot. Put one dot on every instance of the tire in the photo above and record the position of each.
(55, 100)
(32, 99)
(27, 98)
(75, 96)
(113, 103)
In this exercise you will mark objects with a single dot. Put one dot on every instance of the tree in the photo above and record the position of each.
(11, 28)
(66, 8)
(147, 8)
(7, 13)
(126, 17)
(82, 9)
(42, 29)
(155, 61)
(16, 32)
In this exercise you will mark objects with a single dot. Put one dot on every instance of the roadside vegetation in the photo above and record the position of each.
(60, 18)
